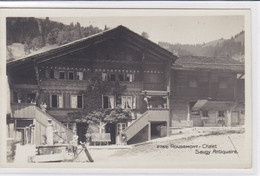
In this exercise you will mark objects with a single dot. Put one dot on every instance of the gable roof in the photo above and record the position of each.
(208, 63)
(77, 45)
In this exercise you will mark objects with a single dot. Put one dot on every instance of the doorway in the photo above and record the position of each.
(158, 129)
(111, 128)
(81, 131)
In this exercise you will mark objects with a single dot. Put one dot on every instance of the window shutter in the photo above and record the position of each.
(73, 101)
(134, 102)
(60, 101)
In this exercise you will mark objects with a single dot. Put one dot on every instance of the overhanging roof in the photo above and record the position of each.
(118, 32)
(223, 63)
(154, 92)
(206, 105)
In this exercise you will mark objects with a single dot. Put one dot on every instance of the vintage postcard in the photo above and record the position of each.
(126, 88)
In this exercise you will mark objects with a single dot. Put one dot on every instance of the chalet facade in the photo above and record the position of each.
(162, 90)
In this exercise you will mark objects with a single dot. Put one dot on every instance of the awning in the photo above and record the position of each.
(154, 92)
(207, 105)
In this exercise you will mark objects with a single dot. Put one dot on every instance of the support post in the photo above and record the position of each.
(188, 114)
(149, 131)
(229, 118)
(49, 132)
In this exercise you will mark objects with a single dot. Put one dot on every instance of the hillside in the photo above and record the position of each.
(27, 35)
(233, 47)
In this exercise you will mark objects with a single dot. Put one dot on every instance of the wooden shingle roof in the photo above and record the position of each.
(119, 32)
(210, 63)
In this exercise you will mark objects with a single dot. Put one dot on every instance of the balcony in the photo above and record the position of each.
(154, 86)
(23, 110)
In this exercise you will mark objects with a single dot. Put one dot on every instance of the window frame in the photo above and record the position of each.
(110, 74)
(63, 75)
(73, 77)
(114, 100)
(203, 113)
(221, 113)
(193, 83)
(130, 79)
(126, 97)
(58, 101)
(105, 77)
(123, 78)
(77, 76)
(77, 106)
(52, 76)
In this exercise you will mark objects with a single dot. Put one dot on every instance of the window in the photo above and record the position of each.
(193, 83)
(52, 74)
(56, 101)
(76, 101)
(205, 114)
(62, 75)
(79, 76)
(121, 77)
(112, 77)
(71, 75)
(120, 128)
(221, 114)
(126, 102)
(129, 77)
(108, 102)
(104, 76)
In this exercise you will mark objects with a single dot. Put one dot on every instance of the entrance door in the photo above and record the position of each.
(234, 118)
(81, 131)
(119, 130)
(111, 128)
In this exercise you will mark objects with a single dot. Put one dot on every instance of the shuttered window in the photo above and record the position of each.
(56, 101)
(76, 101)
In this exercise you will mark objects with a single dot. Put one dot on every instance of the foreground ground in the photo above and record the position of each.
(188, 148)
(226, 150)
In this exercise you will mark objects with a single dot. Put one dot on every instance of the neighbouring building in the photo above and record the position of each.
(162, 90)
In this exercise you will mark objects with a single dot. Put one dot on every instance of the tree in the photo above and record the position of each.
(93, 112)
(37, 43)
(145, 35)
(52, 36)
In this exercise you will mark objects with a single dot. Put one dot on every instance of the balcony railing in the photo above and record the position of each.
(23, 110)
(154, 86)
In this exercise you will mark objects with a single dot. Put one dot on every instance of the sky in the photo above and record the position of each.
(172, 29)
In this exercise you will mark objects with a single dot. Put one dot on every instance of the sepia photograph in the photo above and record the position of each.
(128, 88)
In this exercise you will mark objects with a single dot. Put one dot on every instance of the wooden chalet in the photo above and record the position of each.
(162, 91)
(207, 91)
